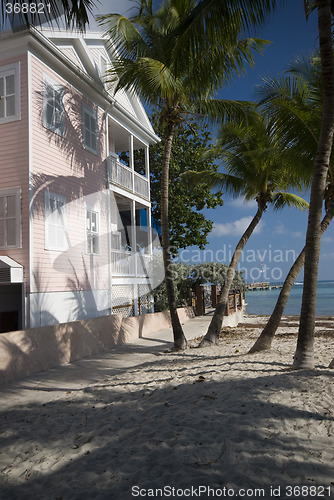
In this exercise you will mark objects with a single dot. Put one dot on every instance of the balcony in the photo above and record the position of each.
(127, 178)
(124, 263)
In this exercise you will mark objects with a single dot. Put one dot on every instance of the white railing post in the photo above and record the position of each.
(149, 230)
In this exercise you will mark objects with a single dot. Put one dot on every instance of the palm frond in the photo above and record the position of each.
(295, 110)
(281, 200)
(75, 12)
(199, 27)
(212, 71)
(309, 6)
(223, 110)
(122, 34)
(166, 36)
(231, 184)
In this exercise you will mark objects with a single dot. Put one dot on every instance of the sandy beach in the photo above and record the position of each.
(207, 423)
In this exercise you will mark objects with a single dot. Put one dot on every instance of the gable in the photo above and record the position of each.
(72, 55)
(89, 53)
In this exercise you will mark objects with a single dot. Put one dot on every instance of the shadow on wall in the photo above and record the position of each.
(25, 352)
(38, 349)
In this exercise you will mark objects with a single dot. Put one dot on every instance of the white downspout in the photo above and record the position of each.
(31, 194)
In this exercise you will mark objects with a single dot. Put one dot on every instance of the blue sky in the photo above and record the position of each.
(270, 251)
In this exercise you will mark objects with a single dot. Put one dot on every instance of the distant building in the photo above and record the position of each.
(72, 214)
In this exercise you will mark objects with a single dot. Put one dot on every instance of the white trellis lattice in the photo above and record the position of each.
(123, 300)
(143, 299)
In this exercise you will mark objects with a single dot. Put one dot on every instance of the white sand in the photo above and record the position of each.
(210, 417)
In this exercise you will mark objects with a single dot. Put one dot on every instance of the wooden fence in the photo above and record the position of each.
(200, 302)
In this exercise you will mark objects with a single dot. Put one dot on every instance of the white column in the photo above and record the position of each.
(149, 231)
(150, 252)
(133, 234)
(131, 161)
(108, 218)
(147, 169)
(135, 300)
(134, 254)
(147, 162)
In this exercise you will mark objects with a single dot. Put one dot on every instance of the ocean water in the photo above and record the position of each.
(264, 301)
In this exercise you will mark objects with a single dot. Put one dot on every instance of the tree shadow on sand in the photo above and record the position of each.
(101, 441)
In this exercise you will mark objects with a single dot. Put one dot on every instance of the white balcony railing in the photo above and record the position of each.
(127, 178)
(122, 263)
(128, 264)
(144, 264)
(141, 185)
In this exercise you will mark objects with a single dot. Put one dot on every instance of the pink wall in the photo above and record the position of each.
(62, 166)
(14, 164)
(23, 353)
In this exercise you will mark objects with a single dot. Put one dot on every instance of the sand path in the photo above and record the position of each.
(207, 422)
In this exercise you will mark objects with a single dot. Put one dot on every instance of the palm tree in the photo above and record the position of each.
(304, 355)
(266, 337)
(176, 58)
(259, 166)
(295, 103)
(75, 12)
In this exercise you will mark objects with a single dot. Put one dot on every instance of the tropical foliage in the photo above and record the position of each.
(320, 190)
(304, 355)
(176, 58)
(258, 165)
(187, 224)
(294, 101)
(186, 275)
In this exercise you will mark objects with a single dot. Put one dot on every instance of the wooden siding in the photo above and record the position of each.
(14, 164)
(62, 166)
(72, 55)
(96, 52)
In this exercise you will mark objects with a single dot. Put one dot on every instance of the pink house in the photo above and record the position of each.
(75, 239)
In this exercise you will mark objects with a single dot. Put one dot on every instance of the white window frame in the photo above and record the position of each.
(58, 111)
(56, 222)
(92, 233)
(92, 113)
(9, 70)
(17, 193)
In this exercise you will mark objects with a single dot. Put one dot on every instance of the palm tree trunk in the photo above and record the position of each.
(215, 326)
(180, 341)
(266, 337)
(304, 355)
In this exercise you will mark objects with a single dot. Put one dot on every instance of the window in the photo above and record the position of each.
(92, 232)
(55, 230)
(53, 105)
(10, 218)
(89, 119)
(9, 93)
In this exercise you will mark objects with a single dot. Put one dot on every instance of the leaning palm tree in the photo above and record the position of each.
(176, 58)
(26, 12)
(304, 355)
(295, 103)
(265, 339)
(258, 165)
